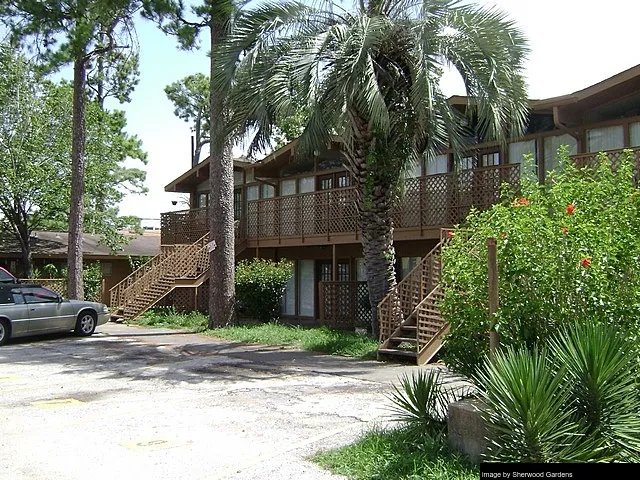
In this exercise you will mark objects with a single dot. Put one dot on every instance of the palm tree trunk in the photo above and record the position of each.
(76, 211)
(221, 231)
(375, 204)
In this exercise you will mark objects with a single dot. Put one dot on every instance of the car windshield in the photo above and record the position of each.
(6, 276)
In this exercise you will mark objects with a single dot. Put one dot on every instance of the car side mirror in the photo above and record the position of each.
(59, 299)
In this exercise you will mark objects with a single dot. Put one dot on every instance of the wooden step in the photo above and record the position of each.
(397, 352)
(402, 339)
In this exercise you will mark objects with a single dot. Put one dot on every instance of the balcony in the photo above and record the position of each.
(331, 216)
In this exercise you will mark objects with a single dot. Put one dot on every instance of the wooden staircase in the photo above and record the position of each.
(180, 265)
(411, 326)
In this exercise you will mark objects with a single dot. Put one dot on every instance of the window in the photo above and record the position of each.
(606, 138)
(634, 134)
(249, 175)
(237, 204)
(490, 159)
(517, 152)
(5, 296)
(343, 180)
(438, 164)
(203, 200)
(407, 264)
(252, 193)
(361, 274)
(288, 187)
(289, 297)
(467, 163)
(268, 191)
(238, 177)
(39, 295)
(106, 268)
(306, 289)
(344, 272)
(307, 184)
(551, 146)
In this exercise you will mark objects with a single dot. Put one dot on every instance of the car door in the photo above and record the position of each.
(47, 313)
(12, 306)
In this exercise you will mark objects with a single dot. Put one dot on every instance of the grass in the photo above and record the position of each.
(397, 454)
(317, 339)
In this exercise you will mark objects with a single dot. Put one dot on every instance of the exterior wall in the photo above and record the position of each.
(412, 240)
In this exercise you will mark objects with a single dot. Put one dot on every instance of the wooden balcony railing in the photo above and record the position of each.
(614, 156)
(433, 201)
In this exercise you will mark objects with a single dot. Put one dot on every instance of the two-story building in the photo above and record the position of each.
(304, 210)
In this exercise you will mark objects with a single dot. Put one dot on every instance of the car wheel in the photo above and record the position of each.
(5, 331)
(86, 324)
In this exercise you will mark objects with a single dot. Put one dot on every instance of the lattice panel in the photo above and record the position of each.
(613, 156)
(429, 318)
(290, 216)
(57, 285)
(183, 299)
(203, 297)
(343, 212)
(185, 226)
(308, 213)
(344, 305)
(408, 215)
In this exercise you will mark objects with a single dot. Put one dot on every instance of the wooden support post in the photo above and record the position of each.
(334, 264)
(492, 268)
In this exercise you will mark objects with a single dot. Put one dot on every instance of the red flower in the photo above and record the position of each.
(565, 230)
(519, 202)
(570, 209)
(450, 234)
(586, 261)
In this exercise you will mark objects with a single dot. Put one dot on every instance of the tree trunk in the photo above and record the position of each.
(375, 204)
(76, 211)
(221, 231)
(23, 234)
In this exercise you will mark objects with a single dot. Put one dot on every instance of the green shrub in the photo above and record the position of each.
(92, 281)
(575, 401)
(421, 401)
(567, 251)
(260, 285)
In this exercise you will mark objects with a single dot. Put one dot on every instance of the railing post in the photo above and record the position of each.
(492, 267)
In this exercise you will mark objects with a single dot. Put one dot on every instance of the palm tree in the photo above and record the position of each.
(371, 75)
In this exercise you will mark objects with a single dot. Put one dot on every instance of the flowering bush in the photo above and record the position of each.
(567, 251)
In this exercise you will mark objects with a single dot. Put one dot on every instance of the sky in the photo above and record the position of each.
(573, 44)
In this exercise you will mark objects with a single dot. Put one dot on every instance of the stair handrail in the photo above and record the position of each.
(406, 287)
(116, 290)
(144, 277)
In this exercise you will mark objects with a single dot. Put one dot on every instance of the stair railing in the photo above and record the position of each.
(117, 291)
(399, 304)
(180, 263)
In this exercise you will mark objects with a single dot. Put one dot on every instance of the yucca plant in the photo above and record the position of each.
(526, 409)
(601, 375)
(421, 401)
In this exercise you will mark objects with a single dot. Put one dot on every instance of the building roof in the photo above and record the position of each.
(198, 174)
(616, 96)
(55, 244)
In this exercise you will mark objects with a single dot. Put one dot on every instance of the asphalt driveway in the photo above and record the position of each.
(134, 403)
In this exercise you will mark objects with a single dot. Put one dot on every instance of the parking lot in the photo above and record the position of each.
(155, 404)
